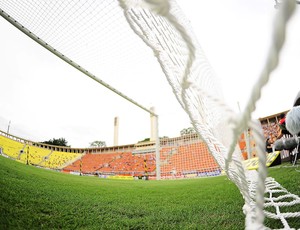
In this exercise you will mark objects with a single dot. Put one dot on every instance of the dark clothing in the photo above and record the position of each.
(297, 100)
(269, 148)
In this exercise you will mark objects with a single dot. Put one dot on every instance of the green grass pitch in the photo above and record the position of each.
(33, 198)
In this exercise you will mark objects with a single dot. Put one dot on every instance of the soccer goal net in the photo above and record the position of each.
(86, 32)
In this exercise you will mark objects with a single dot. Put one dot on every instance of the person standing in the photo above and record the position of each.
(269, 147)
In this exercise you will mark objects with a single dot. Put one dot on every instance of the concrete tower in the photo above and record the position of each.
(116, 131)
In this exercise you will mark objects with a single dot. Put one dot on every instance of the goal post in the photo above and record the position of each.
(155, 137)
(151, 111)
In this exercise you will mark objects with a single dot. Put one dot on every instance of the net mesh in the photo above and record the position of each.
(196, 89)
(73, 29)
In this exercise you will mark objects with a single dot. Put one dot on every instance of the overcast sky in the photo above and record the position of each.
(45, 98)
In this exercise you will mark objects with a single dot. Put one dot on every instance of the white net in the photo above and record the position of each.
(167, 32)
(73, 29)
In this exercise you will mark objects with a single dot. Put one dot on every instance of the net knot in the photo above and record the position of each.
(186, 84)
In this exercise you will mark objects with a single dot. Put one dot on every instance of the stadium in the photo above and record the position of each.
(217, 175)
(181, 157)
